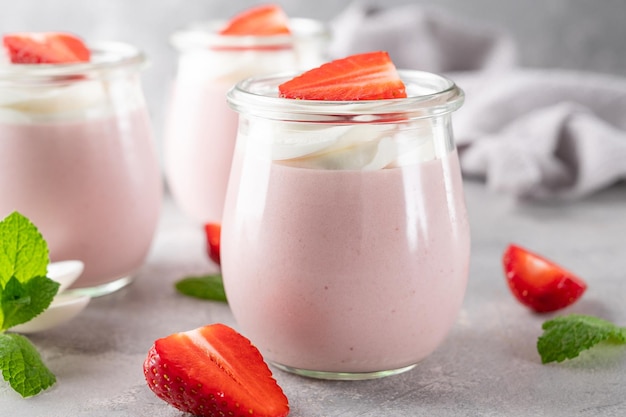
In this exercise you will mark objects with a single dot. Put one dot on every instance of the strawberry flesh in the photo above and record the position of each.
(212, 232)
(539, 283)
(264, 20)
(213, 371)
(368, 76)
(45, 48)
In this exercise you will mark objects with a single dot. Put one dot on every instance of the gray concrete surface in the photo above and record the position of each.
(488, 366)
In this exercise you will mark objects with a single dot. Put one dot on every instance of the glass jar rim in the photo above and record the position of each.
(106, 56)
(202, 35)
(429, 95)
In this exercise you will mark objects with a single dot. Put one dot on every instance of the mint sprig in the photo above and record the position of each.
(566, 337)
(207, 287)
(25, 292)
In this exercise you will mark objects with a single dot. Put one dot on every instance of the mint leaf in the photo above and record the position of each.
(25, 292)
(208, 287)
(565, 337)
(23, 251)
(22, 366)
(20, 302)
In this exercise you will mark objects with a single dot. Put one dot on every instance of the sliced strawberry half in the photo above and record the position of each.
(264, 20)
(45, 48)
(213, 232)
(213, 371)
(368, 76)
(539, 283)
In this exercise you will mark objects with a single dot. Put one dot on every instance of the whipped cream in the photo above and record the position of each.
(349, 147)
(103, 87)
(74, 100)
(206, 65)
(207, 56)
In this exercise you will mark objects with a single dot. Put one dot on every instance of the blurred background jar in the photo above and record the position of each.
(200, 131)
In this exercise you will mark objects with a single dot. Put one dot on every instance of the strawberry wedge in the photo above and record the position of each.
(538, 283)
(213, 233)
(264, 20)
(45, 48)
(368, 76)
(213, 371)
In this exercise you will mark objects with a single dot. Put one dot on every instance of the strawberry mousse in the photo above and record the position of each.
(200, 128)
(77, 155)
(345, 241)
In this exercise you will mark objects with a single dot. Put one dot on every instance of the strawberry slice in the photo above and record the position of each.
(45, 48)
(539, 283)
(213, 371)
(213, 231)
(368, 76)
(264, 20)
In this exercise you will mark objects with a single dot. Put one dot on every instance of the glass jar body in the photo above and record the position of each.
(345, 244)
(200, 130)
(79, 160)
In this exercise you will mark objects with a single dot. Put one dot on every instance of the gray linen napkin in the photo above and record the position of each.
(417, 37)
(536, 134)
(543, 133)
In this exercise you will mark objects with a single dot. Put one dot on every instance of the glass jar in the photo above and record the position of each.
(77, 157)
(345, 239)
(200, 129)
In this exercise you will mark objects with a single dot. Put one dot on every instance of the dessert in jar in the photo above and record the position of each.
(200, 130)
(345, 240)
(77, 155)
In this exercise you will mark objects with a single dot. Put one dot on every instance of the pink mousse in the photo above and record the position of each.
(92, 188)
(346, 271)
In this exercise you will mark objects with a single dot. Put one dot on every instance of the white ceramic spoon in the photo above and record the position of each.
(64, 307)
(65, 272)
